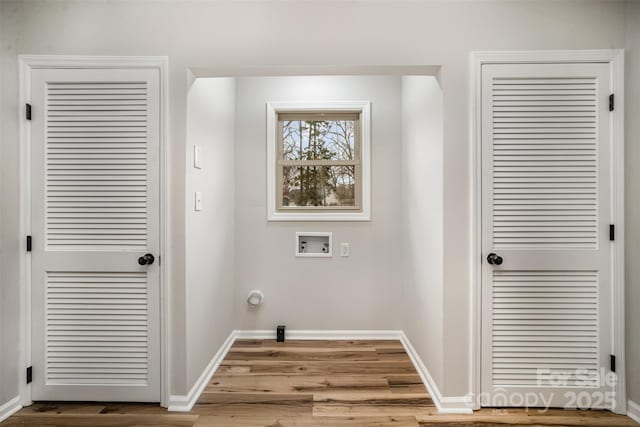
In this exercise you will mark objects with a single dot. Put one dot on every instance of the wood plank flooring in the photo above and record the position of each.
(306, 383)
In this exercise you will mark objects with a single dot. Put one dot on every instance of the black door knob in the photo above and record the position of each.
(494, 259)
(146, 259)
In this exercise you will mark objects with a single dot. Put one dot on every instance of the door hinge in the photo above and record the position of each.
(29, 374)
(28, 243)
(613, 363)
(611, 102)
(28, 111)
(612, 232)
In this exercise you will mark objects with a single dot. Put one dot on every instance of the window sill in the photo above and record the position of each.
(319, 216)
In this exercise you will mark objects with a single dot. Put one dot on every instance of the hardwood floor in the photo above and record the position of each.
(306, 383)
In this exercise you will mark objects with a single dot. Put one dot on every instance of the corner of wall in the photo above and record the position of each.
(10, 238)
(633, 411)
(209, 232)
(184, 403)
(9, 408)
(445, 404)
(632, 205)
(423, 219)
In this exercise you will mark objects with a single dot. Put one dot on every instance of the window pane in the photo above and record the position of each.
(318, 186)
(318, 139)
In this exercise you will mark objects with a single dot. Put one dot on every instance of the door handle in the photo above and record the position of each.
(146, 259)
(494, 259)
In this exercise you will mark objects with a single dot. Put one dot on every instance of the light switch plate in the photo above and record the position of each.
(196, 157)
(198, 200)
(345, 249)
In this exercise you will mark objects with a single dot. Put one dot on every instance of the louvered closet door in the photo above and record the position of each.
(95, 211)
(546, 332)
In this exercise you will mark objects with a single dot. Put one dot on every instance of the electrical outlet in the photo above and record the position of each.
(345, 249)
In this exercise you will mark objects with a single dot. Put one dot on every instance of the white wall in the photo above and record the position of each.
(232, 35)
(358, 292)
(632, 190)
(11, 372)
(422, 219)
(209, 240)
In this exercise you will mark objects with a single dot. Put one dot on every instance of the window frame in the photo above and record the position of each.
(362, 209)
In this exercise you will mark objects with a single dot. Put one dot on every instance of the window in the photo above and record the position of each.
(318, 161)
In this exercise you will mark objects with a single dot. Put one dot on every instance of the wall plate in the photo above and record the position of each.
(198, 201)
(196, 157)
(314, 244)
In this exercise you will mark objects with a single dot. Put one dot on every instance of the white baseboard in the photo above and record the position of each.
(306, 334)
(445, 404)
(633, 411)
(184, 403)
(255, 334)
(10, 408)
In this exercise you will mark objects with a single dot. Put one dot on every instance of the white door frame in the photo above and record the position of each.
(27, 63)
(615, 59)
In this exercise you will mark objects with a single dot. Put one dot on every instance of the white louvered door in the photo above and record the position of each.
(95, 211)
(546, 325)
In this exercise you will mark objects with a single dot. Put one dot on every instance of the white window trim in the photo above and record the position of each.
(273, 108)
